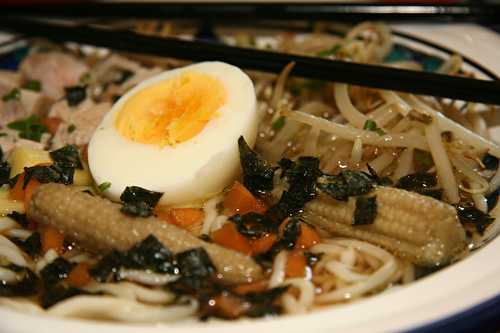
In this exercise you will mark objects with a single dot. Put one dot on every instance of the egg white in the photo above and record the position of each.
(189, 171)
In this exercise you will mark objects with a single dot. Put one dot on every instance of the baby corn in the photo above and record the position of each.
(421, 229)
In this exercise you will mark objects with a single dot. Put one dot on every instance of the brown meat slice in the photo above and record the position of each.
(98, 225)
(54, 70)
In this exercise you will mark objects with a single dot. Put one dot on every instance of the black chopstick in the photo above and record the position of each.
(471, 12)
(422, 83)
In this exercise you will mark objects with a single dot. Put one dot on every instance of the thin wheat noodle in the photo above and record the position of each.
(382, 161)
(112, 308)
(304, 301)
(446, 124)
(278, 275)
(146, 277)
(357, 151)
(7, 223)
(376, 280)
(19, 233)
(444, 169)
(131, 291)
(405, 164)
(6, 275)
(367, 137)
(345, 273)
(346, 108)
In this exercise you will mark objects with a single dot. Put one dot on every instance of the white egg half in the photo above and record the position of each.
(185, 171)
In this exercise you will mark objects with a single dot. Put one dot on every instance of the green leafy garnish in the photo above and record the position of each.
(104, 186)
(71, 128)
(29, 128)
(13, 95)
(138, 201)
(423, 160)
(371, 125)
(279, 123)
(365, 211)
(85, 78)
(34, 85)
(329, 52)
(257, 173)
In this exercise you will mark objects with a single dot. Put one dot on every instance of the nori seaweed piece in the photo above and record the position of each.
(27, 286)
(490, 162)
(138, 201)
(365, 211)
(67, 156)
(19, 218)
(4, 173)
(253, 225)
(59, 292)
(422, 183)
(32, 245)
(75, 95)
(346, 184)
(469, 214)
(56, 271)
(150, 254)
(257, 173)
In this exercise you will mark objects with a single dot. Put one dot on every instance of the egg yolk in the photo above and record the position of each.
(171, 111)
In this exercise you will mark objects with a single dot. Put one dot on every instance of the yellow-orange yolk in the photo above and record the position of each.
(171, 111)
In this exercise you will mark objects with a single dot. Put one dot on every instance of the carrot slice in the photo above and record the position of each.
(28, 191)
(52, 124)
(52, 239)
(17, 192)
(295, 264)
(228, 306)
(241, 201)
(263, 244)
(184, 217)
(79, 275)
(308, 237)
(228, 236)
(254, 287)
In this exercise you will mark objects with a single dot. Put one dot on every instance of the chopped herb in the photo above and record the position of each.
(13, 95)
(422, 183)
(365, 211)
(33, 85)
(4, 173)
(19, 218)
(71, 128)
(104, 186)
(423, 160)
(490, 162)
(75, 95)
(67, 156)
(85, 78)
(371, 125)
(279, 123)
(138, 201)
(29, 128)
(329, 52)
(257, 173)
(469, 214)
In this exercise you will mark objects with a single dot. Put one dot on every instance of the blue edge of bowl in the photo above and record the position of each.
(482, 318)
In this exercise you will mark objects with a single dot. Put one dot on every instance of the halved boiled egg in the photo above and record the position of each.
(176, 133)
